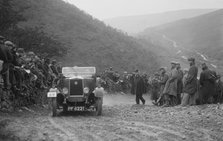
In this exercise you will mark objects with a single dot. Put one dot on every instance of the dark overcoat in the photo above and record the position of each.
(191, 81)
(207, 89)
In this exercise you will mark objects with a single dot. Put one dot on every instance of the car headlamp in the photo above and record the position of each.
(86, 90)
(65, 90)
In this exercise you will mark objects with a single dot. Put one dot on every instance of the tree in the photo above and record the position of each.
(8, 16)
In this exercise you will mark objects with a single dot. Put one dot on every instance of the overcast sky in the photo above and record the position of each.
(103, 9)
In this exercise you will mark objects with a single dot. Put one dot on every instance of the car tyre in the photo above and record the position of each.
(54, 107)
(98, 107)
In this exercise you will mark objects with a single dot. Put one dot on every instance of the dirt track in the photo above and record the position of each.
(120, 121)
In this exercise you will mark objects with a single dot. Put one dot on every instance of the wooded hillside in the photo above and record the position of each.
(62, 31)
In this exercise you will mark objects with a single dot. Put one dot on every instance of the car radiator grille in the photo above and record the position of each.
(76, 87)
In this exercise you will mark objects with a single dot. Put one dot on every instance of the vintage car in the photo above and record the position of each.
(76, 91)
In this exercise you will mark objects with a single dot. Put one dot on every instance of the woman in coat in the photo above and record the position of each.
(170, 90)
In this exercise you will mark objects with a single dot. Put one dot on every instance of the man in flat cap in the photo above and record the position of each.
(190, 86)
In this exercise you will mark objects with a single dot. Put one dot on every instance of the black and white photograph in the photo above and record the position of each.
(111, 70)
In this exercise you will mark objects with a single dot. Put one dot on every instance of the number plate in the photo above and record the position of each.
(75, 108)
(52, 94)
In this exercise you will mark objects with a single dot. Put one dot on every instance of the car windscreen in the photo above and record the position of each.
(78, 71)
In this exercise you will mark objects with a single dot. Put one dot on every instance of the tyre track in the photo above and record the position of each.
(60, 127)
(73, 125)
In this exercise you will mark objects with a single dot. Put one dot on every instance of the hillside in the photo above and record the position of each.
(88, 41)
(136, 24)
(203, 33)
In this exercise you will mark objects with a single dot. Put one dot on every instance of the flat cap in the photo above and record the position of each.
(156, 74)
(162, 68)
(9, 43)
(173, 62)
(1, 37)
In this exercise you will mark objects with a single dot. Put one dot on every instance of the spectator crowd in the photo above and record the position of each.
(176, 87)
(25, 74)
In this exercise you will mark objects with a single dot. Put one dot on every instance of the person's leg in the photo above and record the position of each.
(178, 99)
(142, 99)
(153, 95)
(185, 99)
(166, 100)
(137, 98)
(7, 80)
(192, 100)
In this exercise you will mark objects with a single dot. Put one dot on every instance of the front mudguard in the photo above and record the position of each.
(60, 99)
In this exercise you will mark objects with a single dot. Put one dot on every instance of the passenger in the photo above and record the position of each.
(190, 86)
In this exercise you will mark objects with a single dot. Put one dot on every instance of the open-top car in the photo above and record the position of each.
(76, 91)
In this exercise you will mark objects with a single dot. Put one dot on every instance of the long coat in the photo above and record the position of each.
(191, 81)
(171, 84)
(163, 80)
(180, 76)
(207, 86)
(140, 86)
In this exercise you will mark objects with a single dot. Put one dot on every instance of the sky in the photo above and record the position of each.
(105, 9)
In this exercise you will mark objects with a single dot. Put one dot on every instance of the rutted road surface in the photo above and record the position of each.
(121, 120)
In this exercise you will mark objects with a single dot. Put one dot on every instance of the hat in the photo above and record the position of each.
(54, 61)
(191, 59)
(20, 49)
(31, 53)
(9, 43)
(156, 74)
(173, 62)
(186, 69)
(163, 68)
(2, 38)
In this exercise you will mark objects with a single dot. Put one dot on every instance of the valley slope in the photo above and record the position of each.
(138, 23)
(89, 42)
(199, 36)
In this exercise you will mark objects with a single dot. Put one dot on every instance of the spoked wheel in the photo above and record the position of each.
(98, 107)
(54, 107)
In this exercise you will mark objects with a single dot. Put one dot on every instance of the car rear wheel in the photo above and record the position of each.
(54, 106)
(98, 107)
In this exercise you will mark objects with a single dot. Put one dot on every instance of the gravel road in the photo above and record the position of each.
(121, 121)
